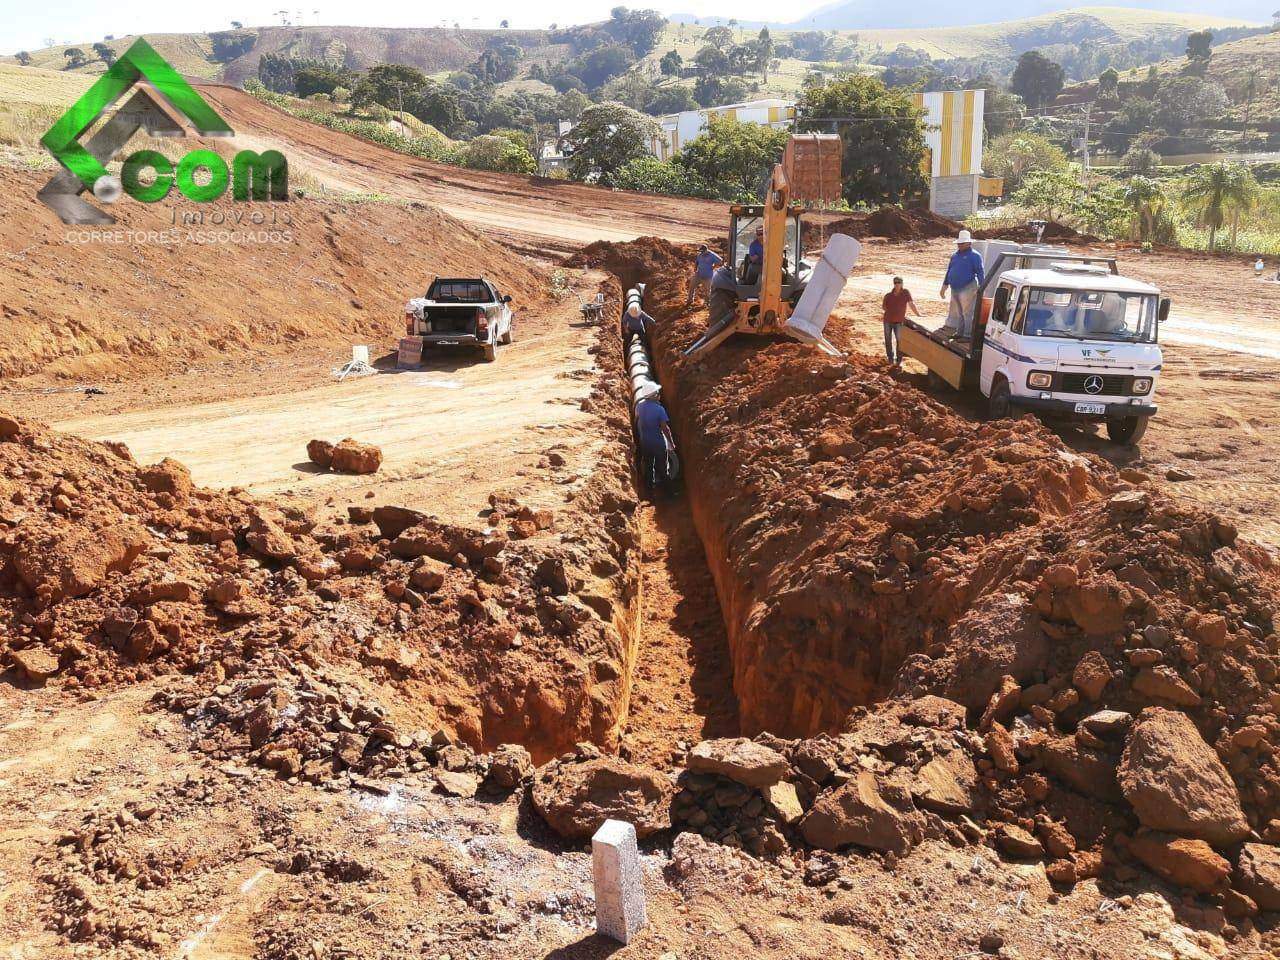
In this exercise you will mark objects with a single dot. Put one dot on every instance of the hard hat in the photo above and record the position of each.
(964, 237)
(648, 391)
(633, 310)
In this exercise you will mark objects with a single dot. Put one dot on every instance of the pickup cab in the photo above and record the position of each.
(461, 312)
(1059, 334)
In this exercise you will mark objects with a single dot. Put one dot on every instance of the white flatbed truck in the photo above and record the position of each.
(1060, 334)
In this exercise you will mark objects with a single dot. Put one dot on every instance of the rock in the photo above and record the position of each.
(1129, 501)
(946, 784)
(351, 456)
(36, 664)
(1016, 842)
(59, 563)
(9, 427)
(360, 558)
(1056, 838)
(350, 749)
(1107, 723)
(1098, 607)
(1178, 474)
(393, 521)
(1257, 875)
(865, 811)
(1236, 905)
(1211, 630)
(990, 942)
(167, 476)
(1085, 770)
(740, 759)
(1165, 683)
(429, 574)
(785, 801)
(1175, 781)
(458, 784)
(320, 452)
(1182, 861)
(937, 713)
(1002, 702)
(360, 514)
(1001, 747)
(509, 766)
(1091, 675)
(575, 798)
(268, 537)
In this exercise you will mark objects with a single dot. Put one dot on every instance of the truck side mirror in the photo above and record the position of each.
(1162, 314)
(506, 298)
(1000, 305)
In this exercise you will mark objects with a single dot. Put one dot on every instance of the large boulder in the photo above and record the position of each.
(749, 763)
(69, 562)
(865, 811)
(351, 456)
(1258, 874)
(1175, 781)
(394, 520)
(1182, 861)
(946, 784)
(575, 798)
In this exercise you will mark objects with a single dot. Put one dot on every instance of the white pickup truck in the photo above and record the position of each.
(1057, 333)
(461, 312)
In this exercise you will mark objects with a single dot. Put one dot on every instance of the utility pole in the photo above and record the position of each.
(1084, 144)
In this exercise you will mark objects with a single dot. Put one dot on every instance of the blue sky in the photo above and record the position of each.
(31, 25)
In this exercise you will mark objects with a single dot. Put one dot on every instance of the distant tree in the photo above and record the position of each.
(341, 94)
(718, 91)
(1136, 116)
(505, 24)
(1200, 45)
(718, 37)
(75, 57)
(497, 65)
(734, 156)
(571, 103)
(104, 53)
(1108, 84)
(23, 57)
(1002, 111)
(883, 137)
(1215, 190)
(648, 174)
(489, 152)
(1036, 79)
(764, 53)
(671, 63)
(711, 62)
(638, 29)
(1015, 155)
(811, 45)
(632, 89)
(601, 64)
(319, 78)
(607, 136)
(237, 25)
(1186, 102)
(675, 98)
(276, 72)
(1145, 198)
(1140, 160)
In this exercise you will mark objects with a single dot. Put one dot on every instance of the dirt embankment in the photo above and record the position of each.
(328, 272)
(521, 631)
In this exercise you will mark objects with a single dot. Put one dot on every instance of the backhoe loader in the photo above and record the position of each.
(765, 290)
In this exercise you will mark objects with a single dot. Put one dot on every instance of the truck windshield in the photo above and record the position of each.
(458, 291)
(1091, 315)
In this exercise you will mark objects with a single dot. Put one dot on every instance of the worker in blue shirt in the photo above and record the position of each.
(653, 434)
(636, 323)
(704, 266)
(964, 276)
(755, 257)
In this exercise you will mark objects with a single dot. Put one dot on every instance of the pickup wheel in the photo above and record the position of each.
(510, 335)
(1000, 403)
(1126, 430)
(490, 352)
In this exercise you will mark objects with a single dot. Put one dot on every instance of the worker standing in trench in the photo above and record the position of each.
(653, 433)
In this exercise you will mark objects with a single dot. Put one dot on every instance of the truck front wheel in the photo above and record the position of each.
(490, 352)
(1126, 430)
(1000, 402)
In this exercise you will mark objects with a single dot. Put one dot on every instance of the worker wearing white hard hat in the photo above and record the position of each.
(965, 274)
(636, 323)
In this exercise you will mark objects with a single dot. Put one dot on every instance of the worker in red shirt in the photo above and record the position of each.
(895, 305)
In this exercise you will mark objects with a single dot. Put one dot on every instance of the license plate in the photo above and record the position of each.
(454, 343)
(1091, 408)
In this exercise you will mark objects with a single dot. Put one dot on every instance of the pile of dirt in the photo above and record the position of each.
(868, 543)
(897, 224)
(1054, 232)
(112, 572)
(313, 272)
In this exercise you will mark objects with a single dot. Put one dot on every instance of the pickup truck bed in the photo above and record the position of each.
(952, 360)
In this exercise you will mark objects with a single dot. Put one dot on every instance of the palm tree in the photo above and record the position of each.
(1145, 197)
(1216, 189)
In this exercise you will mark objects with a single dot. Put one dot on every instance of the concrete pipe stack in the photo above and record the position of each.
(639, 363)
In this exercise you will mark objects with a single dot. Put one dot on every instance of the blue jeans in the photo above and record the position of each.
(892, 347)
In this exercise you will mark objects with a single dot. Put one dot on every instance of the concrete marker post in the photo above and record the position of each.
(619, 886)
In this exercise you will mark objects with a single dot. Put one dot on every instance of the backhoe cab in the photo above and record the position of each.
(767, 288)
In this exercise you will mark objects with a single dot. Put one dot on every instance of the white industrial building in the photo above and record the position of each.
(953, 134)
(679, 128)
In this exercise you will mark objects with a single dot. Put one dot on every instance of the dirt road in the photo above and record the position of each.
(449, 431)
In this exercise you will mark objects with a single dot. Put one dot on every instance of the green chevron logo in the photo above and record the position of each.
(201, 176)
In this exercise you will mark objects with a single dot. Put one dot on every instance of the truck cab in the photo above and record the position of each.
(1061, 334)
